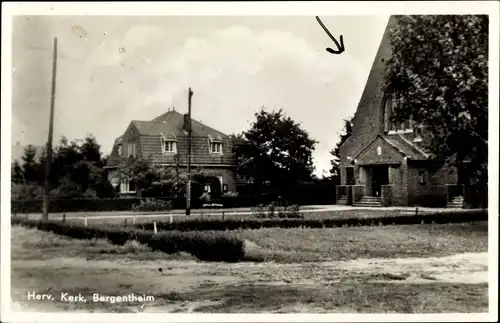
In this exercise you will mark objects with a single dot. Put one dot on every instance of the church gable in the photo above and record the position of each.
(380, 152)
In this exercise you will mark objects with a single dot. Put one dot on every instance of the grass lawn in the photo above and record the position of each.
(299, 245)
(336, 270)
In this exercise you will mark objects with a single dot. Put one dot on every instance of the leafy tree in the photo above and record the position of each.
(17, 173)
(29, 165)
(91, 151)
(335, 161)
(274, 151)
(144, 174)
(76, 167)
(441, 63)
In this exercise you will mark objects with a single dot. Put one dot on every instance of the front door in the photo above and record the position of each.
(380, 176)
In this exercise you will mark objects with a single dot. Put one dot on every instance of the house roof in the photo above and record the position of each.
(170, 126)
(407, 147)
(176, 122)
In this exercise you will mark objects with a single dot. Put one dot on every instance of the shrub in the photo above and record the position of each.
(26, 191)
(206, 246)
(153, 205)
(230, 194)
(258, 223)
(275, 210)
(258, 211)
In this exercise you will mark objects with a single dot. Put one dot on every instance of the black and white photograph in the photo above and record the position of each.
(284, 159)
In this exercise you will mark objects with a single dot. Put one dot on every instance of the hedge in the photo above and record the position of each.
(257, 223)
(203, 245)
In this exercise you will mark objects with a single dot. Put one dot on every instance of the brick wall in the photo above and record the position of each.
(436, 176)
(388, 155)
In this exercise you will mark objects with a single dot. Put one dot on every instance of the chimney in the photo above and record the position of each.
(186, 122)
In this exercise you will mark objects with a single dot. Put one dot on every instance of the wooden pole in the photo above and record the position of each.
(48, 162)
(188, 188)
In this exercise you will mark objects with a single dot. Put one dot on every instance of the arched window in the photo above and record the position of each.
(391, 102)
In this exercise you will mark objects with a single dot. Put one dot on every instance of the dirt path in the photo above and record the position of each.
(210, 285)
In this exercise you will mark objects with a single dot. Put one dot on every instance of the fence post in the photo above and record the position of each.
(125, 222)
(171, 219)
(64, 217)
(133, 220)
(416, 211)
(222, 215)
(85, 220)
(154, 228)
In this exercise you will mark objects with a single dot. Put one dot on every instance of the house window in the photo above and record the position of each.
(169, 146)
(225, 188)
(221, 180)
(215, 147)
(120, 149)
(421, 177)
(127, 186)
(131, 149)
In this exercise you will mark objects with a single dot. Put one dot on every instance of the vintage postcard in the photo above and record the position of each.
(239, 161)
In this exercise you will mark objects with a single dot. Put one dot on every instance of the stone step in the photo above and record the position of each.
(369, 201)
(368, 204)
(456, 202)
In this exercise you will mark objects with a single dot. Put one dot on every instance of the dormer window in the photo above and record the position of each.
(169, 145)
(215, 145)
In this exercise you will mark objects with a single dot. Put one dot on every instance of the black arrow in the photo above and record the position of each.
(340, 46)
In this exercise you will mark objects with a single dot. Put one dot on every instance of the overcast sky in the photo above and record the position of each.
(112, 70)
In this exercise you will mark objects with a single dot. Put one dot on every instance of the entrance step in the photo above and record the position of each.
(456, 203)
(369, 201)
(342, 200)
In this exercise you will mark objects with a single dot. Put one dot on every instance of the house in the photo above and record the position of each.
(385, 163)
(165, 141)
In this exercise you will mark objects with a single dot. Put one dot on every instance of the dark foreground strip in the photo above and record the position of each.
(255, 223)
(206, 246)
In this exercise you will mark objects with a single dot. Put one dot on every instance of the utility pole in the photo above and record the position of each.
(188, 195)
(48, 162)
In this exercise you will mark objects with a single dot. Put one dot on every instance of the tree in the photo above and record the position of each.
(91, 151)
(29, 165)
(275, 151)
(17, 173)
(76, 169)
(335, 161)
(144, 174)
(441, 64)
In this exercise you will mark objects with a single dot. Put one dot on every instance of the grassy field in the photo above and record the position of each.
(425, 240)
(339, 270)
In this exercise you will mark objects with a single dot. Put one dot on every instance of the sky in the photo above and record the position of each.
(114, 69)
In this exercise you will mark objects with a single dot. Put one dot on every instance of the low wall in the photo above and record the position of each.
(358, 191)
(386, 194)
